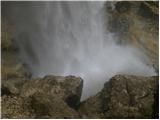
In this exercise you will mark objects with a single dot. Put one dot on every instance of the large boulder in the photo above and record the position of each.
(38, 105)
(48, 97)
(129, 96)
(48, 106)
(124, 96)
(68, 88)
(91, 108)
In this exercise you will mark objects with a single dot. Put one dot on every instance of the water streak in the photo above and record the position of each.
(70, 38)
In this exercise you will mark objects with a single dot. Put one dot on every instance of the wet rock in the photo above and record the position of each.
(12, 86)
(129, 96)
(48, 106)
(8, 88)
(149, 9)
(16, 107)
(91, 108)
(121, 25)
(155, 113)
(123, 6)
(48, 97)
(38, 105)
(68, 88)
(124, 96)
(136, 24)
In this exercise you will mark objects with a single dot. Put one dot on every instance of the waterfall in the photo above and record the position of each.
(70, 38)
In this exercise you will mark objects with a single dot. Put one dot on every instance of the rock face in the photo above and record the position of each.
(13, 71)
(48, 97)
(129, 97)
(136, 23)
(67, 88)
(16, 107)
(123, 96)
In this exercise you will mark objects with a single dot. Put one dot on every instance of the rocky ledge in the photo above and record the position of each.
(124, 96)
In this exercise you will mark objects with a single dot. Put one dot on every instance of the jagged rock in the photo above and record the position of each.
(91, 108)
(68, 88)
(48, 97)
(12, 86)
(36, 106)
(129, 96)
(48, 106)
(136, 24)
(16, 107)
(124, 96)
(8, 88)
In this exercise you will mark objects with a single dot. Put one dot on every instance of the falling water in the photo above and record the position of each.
(70, 38)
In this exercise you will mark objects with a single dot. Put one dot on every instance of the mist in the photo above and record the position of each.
(70, 38)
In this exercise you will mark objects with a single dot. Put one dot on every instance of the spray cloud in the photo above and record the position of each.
(69, 38)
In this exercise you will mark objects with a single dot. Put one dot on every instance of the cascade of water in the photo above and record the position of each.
(69, 38)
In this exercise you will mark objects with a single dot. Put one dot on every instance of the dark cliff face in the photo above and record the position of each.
(137, 24)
